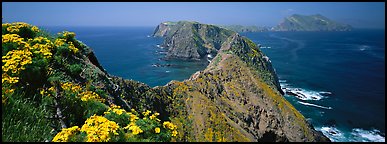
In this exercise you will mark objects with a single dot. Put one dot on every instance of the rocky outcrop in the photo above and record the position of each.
(191, 40)
(316, 22)
(163, 28)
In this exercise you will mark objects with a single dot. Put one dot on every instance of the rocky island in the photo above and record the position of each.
(54, 89)
(317, 22)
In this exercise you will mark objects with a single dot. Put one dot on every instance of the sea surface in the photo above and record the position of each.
(340, 75)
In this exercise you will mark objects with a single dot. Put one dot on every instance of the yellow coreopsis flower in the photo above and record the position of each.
(174, 133)
(157, 130)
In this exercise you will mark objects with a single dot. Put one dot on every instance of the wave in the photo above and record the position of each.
(303, 94)
(364, 47)
(356, 135)
(282, 81)
(368, 136)
(309, 104)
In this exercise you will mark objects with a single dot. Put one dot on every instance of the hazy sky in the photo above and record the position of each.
(357, 14)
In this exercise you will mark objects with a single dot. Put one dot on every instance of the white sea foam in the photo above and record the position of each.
(363, 47)
(310, 104)
(304, 94)
(333, 134)
(282, 81)
(367, 136)
(356, 135)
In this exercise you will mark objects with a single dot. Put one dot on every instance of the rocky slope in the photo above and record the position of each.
(236, 98)
(316, 22)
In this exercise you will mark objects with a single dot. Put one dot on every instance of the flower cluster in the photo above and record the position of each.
(16, 26)
(49, 92)
(59, 42)
(170, 126)
(64, 135)
(14, 38)
(72, 47)
(68, 86)
(153, 116)
(75, 89)
(89, 95)
(134, 128)
(67, 34)
(16, 60)
(111, 127)
(42, 46)
(98, 129)
(8, 79)
(66, 38)
(116, 109)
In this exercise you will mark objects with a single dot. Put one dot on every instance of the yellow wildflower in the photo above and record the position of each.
(89, 95)
(169, 125)
(98, 129)
(154, 116)
(59, 42)
(135, 129)
(157, 130)
(174, 133)
(16, 60)
(146, 113)
(133, 117)
(64, 135)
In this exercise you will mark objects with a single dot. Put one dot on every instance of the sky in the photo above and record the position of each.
(357, 14)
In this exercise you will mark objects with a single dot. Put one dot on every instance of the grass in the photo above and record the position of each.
(24, 121)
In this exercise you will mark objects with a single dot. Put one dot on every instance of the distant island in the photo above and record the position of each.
(296, 22)
(316, 22)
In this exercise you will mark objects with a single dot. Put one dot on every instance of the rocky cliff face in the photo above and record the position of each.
(191, 40)
(316, 22)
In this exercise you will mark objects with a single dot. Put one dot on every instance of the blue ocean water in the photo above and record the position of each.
(132, 53)
(341, 74)
(343, 71)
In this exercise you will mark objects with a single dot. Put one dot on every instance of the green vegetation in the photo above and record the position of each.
(49, 93)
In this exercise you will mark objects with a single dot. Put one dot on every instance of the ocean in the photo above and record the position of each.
(339, 75)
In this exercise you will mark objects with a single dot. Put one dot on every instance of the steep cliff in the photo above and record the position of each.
(236, 98)
(191, 40)
(316, 22)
